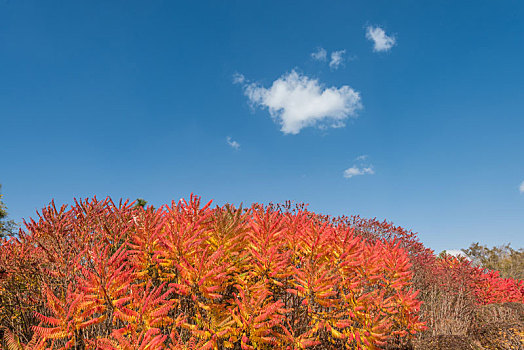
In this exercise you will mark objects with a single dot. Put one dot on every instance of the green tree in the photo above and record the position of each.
(508, 261)
(140, 203)
(7, 227)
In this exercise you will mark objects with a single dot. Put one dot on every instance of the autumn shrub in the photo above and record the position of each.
(490, 288)
(102, 275)
(447, 299)
(185, 276)
(451, 288)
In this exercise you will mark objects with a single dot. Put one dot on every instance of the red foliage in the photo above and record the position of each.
(446, 283)
(487, 286)
(111, 276)
(187, 276)
(491, 288)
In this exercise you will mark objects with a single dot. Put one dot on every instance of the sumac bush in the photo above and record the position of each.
(451, 289)
(102, 275)
(186, 276)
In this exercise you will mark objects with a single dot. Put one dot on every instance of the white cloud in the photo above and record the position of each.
(296, 101)
(382, 42)
(337, 58)
(232, 143)
(521, 187)
(360, 168)
(320, 54)
(238, 78)
(355, 171)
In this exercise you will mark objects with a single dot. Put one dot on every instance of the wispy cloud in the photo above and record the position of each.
(232, 143)
(297, 101)
(320, 54)
(337, 58)
(238, 78)
(355, 171)
(381, 41)
(521, 187)
(359, 168)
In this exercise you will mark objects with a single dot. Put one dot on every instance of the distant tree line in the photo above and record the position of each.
(508, 261)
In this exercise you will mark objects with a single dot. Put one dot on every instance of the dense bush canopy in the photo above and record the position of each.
(188, 276)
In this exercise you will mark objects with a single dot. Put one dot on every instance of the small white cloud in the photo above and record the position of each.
(232, 143)
(382, 42)
(360, 168)
(238, 78)
(320, 54)
(355, 171)
(297, 101)
(337, 58)
(521, 187)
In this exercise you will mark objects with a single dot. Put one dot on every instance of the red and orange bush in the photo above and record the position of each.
(486, 285)
(187, 276)
(451, 289)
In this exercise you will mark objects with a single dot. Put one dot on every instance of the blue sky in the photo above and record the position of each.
(422, 125)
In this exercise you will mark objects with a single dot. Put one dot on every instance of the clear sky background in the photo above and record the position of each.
(138, 98)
